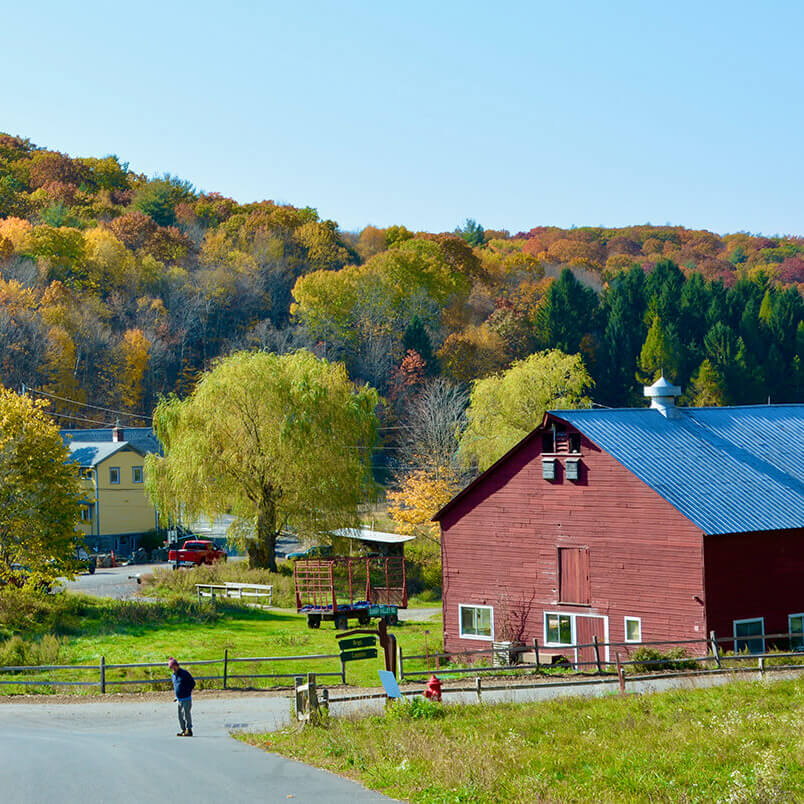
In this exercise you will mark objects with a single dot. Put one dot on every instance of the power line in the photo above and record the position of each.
(78, 418)
(85, 404)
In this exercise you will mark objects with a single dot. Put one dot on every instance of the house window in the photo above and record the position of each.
(744, 629)
(85, 472)
(114, 474)
(477, 622)
(558, 629)
(136, 474)
(573, 573)
(574, 442)
(796, 629)
(86, 513)
(633, 629)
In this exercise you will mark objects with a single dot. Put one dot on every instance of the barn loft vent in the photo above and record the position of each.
(662, 397)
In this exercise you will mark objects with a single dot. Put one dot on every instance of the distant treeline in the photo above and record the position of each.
(116, 288)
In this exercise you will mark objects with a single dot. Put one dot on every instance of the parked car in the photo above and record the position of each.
(88, 561)
(196, 552)
(316, 551)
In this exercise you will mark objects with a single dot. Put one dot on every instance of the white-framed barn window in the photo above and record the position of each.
(136, 474)
(633, 629)
(476, 622)
(795, 624)
(559, 628)
(749, 635)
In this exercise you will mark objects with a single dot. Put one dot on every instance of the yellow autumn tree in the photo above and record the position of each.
(134, 350)
(422, 494)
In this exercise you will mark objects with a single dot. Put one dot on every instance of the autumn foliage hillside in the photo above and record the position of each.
(116, 288)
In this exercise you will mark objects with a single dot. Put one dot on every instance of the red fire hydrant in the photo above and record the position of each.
(433, 689)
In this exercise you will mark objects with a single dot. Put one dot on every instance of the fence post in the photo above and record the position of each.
(343, 670)
(620, 673)
(597, 653)
(536, 654)
(715, 649)
(325, 698)
(399, 666)
(312, 698)
(478, 684)
(761, 665)
(103, 675)
(297, 696)
(225, 666)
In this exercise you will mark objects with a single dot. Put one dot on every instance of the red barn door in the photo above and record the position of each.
(586, 628)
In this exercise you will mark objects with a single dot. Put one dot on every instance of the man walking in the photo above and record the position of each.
(183, 684)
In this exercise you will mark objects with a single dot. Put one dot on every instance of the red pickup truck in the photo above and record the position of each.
(195, 553)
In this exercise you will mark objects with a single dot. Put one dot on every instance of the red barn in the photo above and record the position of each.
(632, 525)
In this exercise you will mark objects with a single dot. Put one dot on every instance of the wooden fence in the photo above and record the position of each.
(604, 657)
(100, 671)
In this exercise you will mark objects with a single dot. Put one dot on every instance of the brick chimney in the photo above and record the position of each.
(117, 432)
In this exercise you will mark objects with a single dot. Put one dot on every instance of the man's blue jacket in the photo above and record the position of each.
(183, 684)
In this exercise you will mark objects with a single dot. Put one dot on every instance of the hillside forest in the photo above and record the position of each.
(116, 289)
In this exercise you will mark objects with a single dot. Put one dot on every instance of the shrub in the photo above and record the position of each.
(651, 659)
(17, 651)
(414, 709)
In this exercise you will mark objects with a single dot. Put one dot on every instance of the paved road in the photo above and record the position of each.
(127, 752)
(118, 582)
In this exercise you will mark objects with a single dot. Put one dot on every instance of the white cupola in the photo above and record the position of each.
(662, 396)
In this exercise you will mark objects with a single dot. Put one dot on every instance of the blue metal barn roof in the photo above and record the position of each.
(728, 470)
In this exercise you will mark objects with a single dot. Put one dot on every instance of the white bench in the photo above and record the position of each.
(253, 593)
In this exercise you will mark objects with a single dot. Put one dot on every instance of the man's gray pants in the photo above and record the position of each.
(185, 718)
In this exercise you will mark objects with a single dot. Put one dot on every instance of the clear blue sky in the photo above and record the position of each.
(426, 113)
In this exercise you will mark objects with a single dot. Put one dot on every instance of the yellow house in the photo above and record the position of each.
(115, 510)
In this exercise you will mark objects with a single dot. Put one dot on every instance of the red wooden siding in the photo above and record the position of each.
(754, 575)
(501, 541)
(573, 585)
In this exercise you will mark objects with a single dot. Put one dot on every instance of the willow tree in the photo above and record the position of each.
(276, 440)
(505, 407)
(39, 493)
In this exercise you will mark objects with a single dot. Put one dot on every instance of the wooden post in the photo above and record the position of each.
(536, 654)
(343, 670)
(297, 697)
(325, 698)
(399, 665)
(312, 697)
(620, 673)
(597, 653)
(761, 665)
(103, 675)
(478, 684)
(225, 666)
(715, 649)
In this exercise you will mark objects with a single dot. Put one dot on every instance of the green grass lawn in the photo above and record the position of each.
(743, 742)
(83, 629)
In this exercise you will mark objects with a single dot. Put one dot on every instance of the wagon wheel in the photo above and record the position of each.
(392, 619)
(313, 620)
(341, 622)
(364, 618)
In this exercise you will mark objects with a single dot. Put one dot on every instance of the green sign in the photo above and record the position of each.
(357, 642)
(354, 655)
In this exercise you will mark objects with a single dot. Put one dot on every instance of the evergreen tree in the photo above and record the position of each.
(661, 353)
(417, 339)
